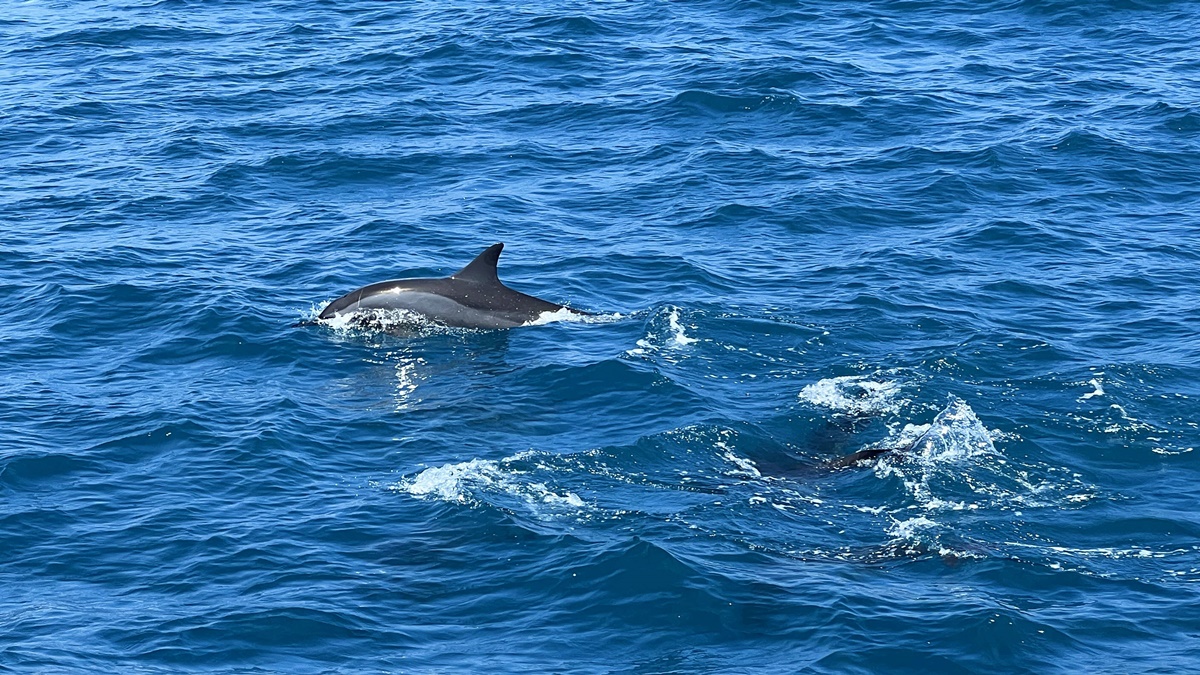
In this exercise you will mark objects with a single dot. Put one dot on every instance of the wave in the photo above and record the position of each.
(131, 36)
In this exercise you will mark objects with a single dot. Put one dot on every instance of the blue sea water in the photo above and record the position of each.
(806, 229)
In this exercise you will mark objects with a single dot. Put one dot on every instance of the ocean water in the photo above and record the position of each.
(806, 229)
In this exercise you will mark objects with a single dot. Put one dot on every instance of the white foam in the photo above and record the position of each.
(678, 337)
(1166, 451)
(452, 482)
(745, 466)
(912, 529)
(1095, 382)
(671, 337)
(566, 315)
(377, 320)
(549, 496)
(470, 482)
(1136, 552)
(856, 394)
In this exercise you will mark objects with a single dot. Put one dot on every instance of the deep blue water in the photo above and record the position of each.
(807, 228)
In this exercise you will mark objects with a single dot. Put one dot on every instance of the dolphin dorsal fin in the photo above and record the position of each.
(483, 268)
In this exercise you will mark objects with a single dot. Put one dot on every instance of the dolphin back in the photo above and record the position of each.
(472, 297)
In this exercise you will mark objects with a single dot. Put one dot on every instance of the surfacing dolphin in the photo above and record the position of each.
(472, 297)
(940, 421)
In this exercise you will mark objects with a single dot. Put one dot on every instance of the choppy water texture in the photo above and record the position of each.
(807, 229)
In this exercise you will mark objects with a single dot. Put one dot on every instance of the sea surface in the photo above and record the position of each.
(969, 231)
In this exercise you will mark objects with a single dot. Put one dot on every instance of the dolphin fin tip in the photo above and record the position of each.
(483, 267)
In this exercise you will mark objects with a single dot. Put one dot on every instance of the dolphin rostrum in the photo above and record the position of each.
(472, 297)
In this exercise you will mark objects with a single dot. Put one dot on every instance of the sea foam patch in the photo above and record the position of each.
(473, 482)
(666, 332)
(855, 394)
(565, 315)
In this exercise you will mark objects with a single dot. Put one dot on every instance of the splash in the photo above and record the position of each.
(914, 530)
(565, 315)
(932, 466)
(952, 468)
(1099, 389)
(471, 482)
(956, 433)
(453, 482)
(673, 336)
(678, 337)
(394, 321)
(855, 394)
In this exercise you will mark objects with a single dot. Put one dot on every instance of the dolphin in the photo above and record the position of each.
(940, 421)
(472, 297)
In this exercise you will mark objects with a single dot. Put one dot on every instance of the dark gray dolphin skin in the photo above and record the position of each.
(472, 297)
(862, 455)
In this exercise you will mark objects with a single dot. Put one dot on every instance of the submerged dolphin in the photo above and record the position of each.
(940, 421)
(472, 297)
